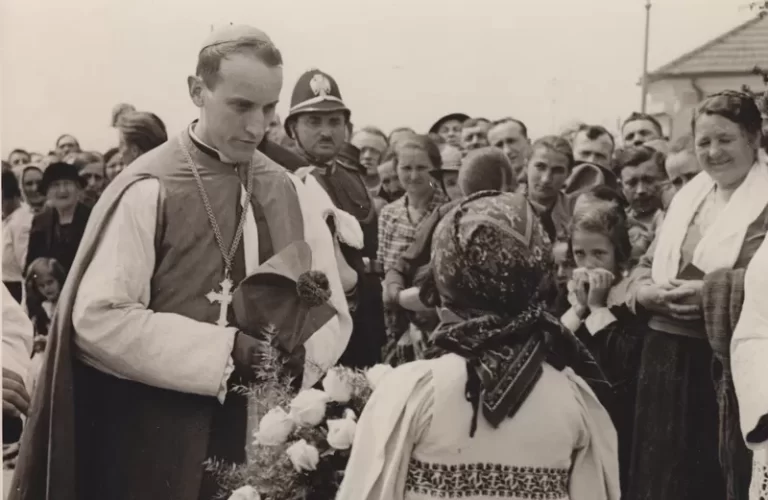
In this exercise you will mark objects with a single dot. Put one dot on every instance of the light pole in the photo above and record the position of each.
(645, 55)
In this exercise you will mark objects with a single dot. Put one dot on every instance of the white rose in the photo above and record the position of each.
(336, 386)
(341, 433)
(376, 373)
(274, 428)
(350, 414)
(308, 407)
(245, 493)
(304, 457)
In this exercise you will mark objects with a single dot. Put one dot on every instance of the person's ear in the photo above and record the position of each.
(196, 87)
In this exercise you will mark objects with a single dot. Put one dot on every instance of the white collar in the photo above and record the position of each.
(194, 136)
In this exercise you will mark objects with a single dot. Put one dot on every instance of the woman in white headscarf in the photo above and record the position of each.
(687, 441)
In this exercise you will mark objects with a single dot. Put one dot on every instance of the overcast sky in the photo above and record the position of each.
(65, 64)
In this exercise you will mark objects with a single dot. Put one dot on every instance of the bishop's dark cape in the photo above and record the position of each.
(94, 436)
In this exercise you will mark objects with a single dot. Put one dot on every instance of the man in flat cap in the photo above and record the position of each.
(136, 393)
(318, 122)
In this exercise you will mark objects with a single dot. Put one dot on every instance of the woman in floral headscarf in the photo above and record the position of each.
(495, 411)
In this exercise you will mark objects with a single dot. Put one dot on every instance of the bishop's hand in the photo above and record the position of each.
(247, 354)
(254, 357)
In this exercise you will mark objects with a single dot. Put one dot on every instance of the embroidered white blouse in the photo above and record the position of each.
(412, 441)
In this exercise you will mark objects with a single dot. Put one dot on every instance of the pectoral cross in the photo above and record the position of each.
(224, 298)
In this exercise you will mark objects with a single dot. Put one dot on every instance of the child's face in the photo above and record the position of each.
(564, 267)
(48, 286)
(593, 251)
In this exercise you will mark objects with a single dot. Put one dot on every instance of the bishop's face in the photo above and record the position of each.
(237, 110)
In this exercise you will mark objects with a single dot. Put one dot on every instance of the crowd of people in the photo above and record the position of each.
(576, 297)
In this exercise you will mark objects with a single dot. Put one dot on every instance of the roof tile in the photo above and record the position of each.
(737, 51)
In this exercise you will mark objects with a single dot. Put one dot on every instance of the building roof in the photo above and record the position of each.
(736, 52)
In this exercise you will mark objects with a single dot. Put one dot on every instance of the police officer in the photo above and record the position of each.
(318, 122)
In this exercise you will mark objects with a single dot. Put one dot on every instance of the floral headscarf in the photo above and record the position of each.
(492, 266)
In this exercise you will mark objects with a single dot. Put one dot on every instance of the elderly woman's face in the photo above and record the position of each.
(724, 150)
(63, 194)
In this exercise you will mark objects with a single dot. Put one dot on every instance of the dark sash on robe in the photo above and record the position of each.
(94, 436)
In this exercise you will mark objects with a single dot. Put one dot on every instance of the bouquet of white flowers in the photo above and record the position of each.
(302, 443)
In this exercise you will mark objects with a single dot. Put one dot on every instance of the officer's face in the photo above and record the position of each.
(321, 134)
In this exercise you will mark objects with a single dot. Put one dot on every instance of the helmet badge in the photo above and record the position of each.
(320, 85)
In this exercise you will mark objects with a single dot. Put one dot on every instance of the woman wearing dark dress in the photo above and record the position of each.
(56, 232)
(687, 443)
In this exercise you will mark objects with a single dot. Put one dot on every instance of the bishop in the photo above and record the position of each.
(136, 394)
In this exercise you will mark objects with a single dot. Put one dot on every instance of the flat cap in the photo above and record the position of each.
(235, 33)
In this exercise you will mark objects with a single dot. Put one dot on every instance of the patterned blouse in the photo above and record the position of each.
(396, 229)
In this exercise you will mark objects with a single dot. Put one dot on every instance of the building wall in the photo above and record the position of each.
(673, 100)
